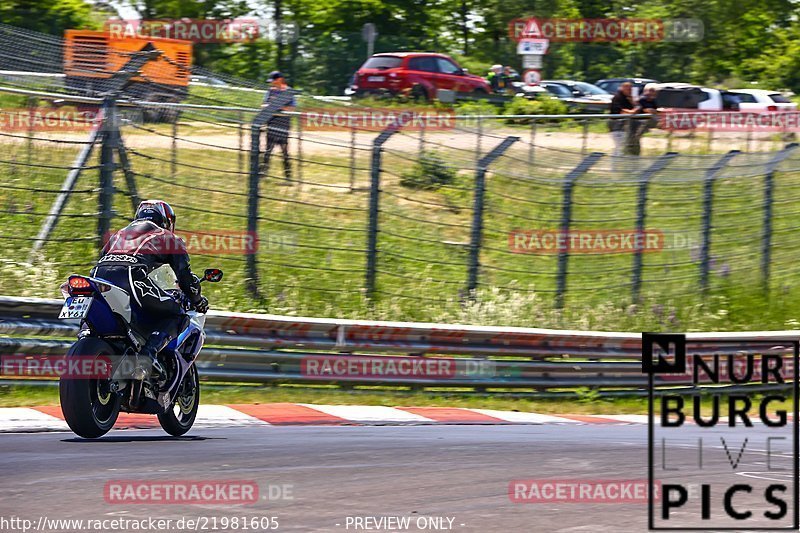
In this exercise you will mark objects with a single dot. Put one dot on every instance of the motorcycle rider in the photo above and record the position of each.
(132, 253)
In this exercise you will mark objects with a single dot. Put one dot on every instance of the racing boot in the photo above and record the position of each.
(158, 341)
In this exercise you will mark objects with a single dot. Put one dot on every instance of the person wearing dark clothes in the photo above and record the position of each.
(135, 251)
(496, 79)
(646, 105)
(278, 127)
(621, 104)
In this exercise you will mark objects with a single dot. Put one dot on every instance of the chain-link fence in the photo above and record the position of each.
(444, 209)
(422, 217)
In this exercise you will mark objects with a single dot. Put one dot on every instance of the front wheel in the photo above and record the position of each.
(179, 418)
(89, 404)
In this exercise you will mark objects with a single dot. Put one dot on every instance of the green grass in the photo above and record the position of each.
(312, 255)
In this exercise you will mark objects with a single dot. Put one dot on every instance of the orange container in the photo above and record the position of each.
(98, 55)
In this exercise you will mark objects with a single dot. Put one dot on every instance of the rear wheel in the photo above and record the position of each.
(89, 405)
(180, 417)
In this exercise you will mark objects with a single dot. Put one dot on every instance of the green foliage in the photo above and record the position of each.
(748, 40)
(476, 107)
(539, 106)
(50, 16)
(430, 172)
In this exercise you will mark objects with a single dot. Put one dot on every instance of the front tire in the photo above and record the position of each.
(89, 405)
(179, 418)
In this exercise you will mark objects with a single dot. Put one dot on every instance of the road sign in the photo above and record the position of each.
(531, 76)
(533, 46)
(531, 61)
(368, 33)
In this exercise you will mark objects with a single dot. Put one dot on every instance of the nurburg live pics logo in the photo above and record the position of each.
(736, 436)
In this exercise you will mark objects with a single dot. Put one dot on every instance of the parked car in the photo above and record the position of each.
(579, 95)
(683, 96)
(761, 100)
(415, 74)
(612, 84)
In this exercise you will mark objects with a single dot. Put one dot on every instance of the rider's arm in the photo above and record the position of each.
(188, 283)
(178, 259)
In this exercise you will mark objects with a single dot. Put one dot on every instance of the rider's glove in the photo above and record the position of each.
(201, 305)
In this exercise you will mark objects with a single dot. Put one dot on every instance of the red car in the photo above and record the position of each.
(414, 74)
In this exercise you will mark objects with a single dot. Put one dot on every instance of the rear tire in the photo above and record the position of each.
(180, 417)
(90, 407)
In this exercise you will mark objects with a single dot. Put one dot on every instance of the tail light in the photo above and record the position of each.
(772, 108)
(80, 286)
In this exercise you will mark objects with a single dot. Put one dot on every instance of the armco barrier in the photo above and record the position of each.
(246, 347)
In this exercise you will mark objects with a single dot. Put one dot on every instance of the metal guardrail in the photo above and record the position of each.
(258, 348)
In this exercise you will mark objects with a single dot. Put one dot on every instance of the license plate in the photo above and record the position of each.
(76, 307)
(375, 78)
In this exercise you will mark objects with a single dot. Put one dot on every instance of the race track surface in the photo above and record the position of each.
(325, 478)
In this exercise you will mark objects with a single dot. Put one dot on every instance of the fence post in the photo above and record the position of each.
(478, 140)
(585, 140)
(566, 220)
(641, 213)
(766, 239)
(533, 140)
(241, 142)
(281, 100)
(299, 148)
(105, 197)
(629, 132)
(174, 161)
(127, 171)
(374, 198)
(32, 104)
(708, 200)
(477, 211)
(352, 158)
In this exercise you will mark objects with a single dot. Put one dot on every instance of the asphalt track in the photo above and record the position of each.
(459, 472)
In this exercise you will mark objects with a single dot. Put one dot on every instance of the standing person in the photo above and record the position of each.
(509, 77)
(647, 103)
(621, 104)
(278, 127)
(645, 106)
(496, 78)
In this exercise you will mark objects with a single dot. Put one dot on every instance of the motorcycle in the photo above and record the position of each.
(120, 379)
